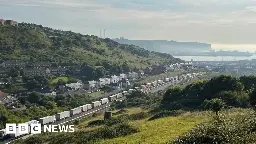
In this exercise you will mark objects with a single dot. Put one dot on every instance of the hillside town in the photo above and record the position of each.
(115, 81)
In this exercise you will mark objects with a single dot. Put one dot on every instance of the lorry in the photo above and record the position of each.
(62, 115)
(89, 106)
(47, 120)
(112, 98)
(119, 95)
(75, 111)
(84, 108)
(125, 93)
(96, 104)
(104, 101)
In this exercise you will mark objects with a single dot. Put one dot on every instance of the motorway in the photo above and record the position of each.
(83, 115)
(96, 110)
(70, 119)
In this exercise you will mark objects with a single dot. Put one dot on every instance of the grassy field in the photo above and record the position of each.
(95, 94)
(160, 130)
(157, 131)
(55, 80)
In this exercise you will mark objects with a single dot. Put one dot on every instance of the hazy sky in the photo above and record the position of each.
(220, 22)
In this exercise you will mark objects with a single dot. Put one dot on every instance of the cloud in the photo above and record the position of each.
(196, 20)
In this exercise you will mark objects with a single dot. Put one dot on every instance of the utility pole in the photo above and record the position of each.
(104, 33)
(100, 34)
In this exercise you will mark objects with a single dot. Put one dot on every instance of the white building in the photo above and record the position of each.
(115, 79)
(104, 81)
(123, 76)
(75, 86)
(132, 75)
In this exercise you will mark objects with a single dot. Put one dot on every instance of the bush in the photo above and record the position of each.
(122, 111)
(96, 123)
(107, 132)
(166, 114)
(138, 116)
(226, 129)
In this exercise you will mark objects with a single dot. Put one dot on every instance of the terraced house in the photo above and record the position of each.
(2, 21)
(11, 22)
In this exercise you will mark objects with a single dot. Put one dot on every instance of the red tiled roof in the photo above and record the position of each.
(2, 94)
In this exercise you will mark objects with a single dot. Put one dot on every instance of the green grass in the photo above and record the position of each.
(95, 94)
(55, 80)
(160, 130)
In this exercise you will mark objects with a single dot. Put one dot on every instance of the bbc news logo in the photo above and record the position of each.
(37, 128)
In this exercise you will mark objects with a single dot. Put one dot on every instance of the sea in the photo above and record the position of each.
(216, 58)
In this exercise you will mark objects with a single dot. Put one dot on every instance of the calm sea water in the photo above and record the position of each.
(217, 58)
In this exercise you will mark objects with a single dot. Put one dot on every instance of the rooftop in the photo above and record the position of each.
(2, 94)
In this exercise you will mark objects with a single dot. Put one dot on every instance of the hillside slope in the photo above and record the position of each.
(35, 42)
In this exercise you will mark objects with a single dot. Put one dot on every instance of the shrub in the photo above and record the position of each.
(223, 129)
(166, 114)
(122, 111)
(138, 116)
(96, 122)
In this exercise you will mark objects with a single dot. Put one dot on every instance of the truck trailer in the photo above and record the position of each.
(119, 95)
(2, 133)
(47, 120)
(125, 93)
(131, 91)
(75, 111)
(104, 101)
(89, 106)
(83, 108)
(62, 115)
(96, 104)
(112, 98)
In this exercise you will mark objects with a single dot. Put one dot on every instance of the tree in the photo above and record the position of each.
(252, 99)
(214, 104)
(35, 98)
(172, 95)
(61, 82)
(248, 82)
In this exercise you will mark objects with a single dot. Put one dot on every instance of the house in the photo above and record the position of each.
(104, 81)
(35, 71)
(148, 70)
(47, 92)
(2, 21)
(115, 79)
(75, 86)
(132, 75)
(141, 73)
(11, 22)
(3, 97)
(3, 73)
(123, 76)
(14, 63)
(91, 85)
(186, 66)
(40, 64)
(58, 71)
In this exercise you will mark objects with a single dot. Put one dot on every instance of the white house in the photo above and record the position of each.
(123, 76)
(115, 79)
(51, 94)
(132, 75)
(104, 81)
(75, 86)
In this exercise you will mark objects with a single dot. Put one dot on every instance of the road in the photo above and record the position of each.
(98, 109)
(67, 120)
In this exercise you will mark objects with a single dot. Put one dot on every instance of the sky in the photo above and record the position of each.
(223, 23)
